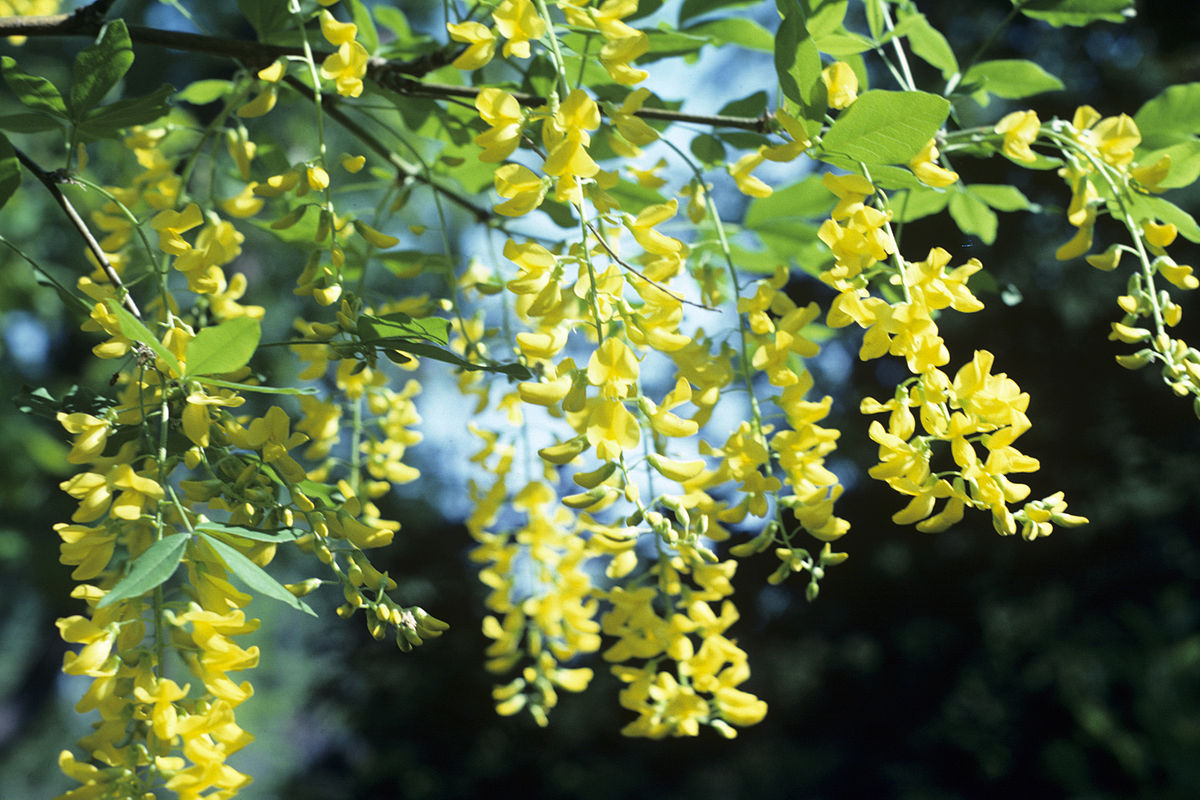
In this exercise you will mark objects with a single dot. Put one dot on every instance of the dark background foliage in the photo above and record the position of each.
(959, 665)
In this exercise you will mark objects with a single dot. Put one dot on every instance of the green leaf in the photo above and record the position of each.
(149, 570)
(698, 8)
(740, 31)
(200, 93)
(391, 345)
(798, 66)
(253, 576)
(368, 37)
(806, 200)
(1148, 207)
(394, 20)
(972, 216)
(411, 263)
(133, 329)
(29, 123)
(104, 122)
(40, 403)
(827, 17)
(266, 16)
(1011, 78)
(751, 106)
(1171, 117)
(785, 223)
(1185, 163)
(223, 348)
(1076, 12)
(399, 324)
(644, 8)
(918, 203)
(10, 170)
(883, 127)
(843, 44)
(708, 149)
(34, 92)
(284, 535)
(928, 43)
(666, 42)
(874, 11)
(246, 387)
(632, 196)
(1001, 197)
(97, 69)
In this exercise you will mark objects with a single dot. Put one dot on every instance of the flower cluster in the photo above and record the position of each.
(976, 415)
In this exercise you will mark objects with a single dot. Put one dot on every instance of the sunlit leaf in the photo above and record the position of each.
(150, 569)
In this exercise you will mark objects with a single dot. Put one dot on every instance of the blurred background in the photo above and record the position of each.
(958, 665)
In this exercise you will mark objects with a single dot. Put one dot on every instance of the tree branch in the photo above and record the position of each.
(51, 181)
(398, 76)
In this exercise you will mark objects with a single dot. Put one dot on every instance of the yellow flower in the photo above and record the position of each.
(1020, 129)
(613, 368)
(617, 54)
(611, 428)
(170, 224)
(746, 183)
(91, 435)
(518, 22)
(522, 188)
(480, 40)
(924, 165)
(841, 84)
(346, 68)
(566, 137)
(502, 113)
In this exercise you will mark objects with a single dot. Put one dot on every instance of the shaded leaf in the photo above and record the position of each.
(104, 122)
(10, 170)
(97, 69)
(698, 8)
(33, 91)
(367, 36)
(266, 16)
(29, 123)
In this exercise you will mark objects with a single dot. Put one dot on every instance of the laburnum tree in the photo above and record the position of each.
(509, 196)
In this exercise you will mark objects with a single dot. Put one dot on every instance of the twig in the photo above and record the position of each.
(51, 182)
(414, 88)
(330, 107)
(613, 255)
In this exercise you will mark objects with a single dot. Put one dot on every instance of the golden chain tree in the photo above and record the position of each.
(630, 353)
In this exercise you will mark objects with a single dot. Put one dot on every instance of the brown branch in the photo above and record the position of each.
(394, 75)
(51, 181)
